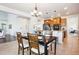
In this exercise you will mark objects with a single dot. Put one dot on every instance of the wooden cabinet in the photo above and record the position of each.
(48, 21)
(63, 21)
(57, 20)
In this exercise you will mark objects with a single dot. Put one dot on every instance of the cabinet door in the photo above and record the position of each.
(63, 22)
(57, 21)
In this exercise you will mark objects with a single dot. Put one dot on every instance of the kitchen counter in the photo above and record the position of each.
(59, 35)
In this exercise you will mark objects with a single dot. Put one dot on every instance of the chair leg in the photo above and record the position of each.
(22, 51)
(18, 50)
(38, 52)
(30, 52)
(51, 47)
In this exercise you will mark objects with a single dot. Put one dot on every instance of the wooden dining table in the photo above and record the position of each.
(45, 41)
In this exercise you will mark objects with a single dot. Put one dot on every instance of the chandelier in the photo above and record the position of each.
(35, 12)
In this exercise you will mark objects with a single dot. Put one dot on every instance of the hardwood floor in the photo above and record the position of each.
(10, 48)
(70, 46)
(8, 38)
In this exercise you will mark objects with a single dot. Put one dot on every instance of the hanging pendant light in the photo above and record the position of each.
(35, 12)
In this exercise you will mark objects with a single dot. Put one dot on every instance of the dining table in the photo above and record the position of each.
(47, 39)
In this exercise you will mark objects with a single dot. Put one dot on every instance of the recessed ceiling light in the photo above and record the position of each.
(40, 13)
(54, 11)
(65, 8)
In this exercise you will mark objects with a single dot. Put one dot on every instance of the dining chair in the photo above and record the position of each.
(47, 35)
(21, 45)
(35, 47)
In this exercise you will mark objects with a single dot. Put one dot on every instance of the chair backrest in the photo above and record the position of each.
(19, 39)
(33, 41)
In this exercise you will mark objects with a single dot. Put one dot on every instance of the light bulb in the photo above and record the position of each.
(32, 13)
(40, 13)
(35, 11)
(65, 8)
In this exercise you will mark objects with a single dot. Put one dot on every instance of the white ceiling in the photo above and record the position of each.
(46, 8)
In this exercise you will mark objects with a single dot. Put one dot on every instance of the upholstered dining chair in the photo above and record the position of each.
(21, 45)
(35, 47)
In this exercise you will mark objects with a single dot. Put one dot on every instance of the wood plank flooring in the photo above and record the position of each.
(70, 46)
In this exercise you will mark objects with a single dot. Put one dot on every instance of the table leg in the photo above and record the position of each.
(51, 47)
(55, 48)
(46, 51)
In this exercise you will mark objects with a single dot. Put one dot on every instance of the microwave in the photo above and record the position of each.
(56, 27)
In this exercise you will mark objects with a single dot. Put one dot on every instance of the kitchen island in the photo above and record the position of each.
(59, 35)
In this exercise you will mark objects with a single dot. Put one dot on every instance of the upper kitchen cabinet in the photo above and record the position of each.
(57, 20)
(63, 21)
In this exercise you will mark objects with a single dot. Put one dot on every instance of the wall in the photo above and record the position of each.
(72, 22)
(78, 23)
(3, 18)
(32, 22)
(23, 25)
(38, 22)
(12, 18)
(19, 24)
(2, 22)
